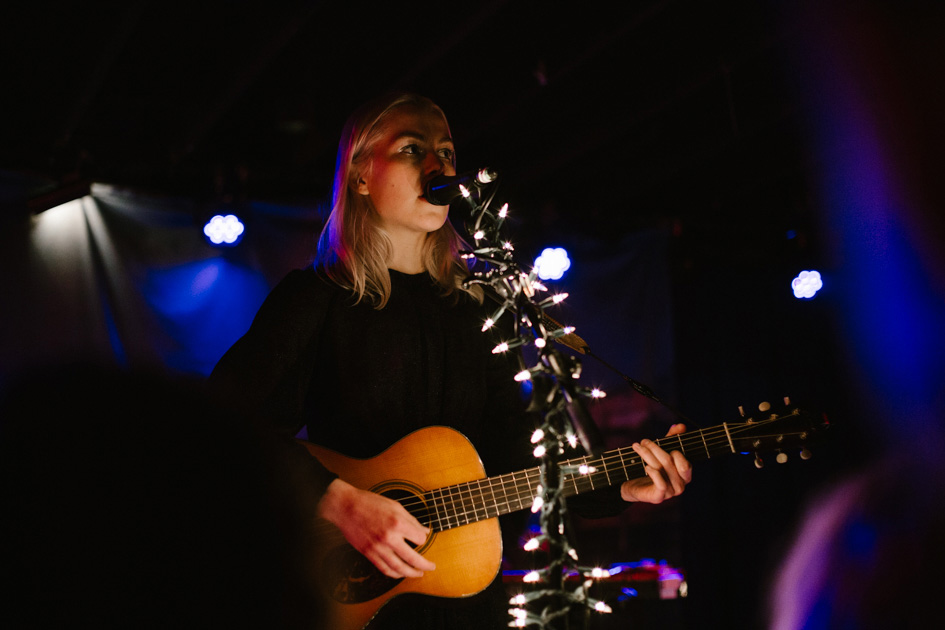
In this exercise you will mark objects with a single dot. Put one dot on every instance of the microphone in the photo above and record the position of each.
(443, 189)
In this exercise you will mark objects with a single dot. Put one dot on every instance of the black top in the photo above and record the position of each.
(362, 378)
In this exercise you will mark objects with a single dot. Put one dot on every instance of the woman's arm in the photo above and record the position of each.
(377, 527)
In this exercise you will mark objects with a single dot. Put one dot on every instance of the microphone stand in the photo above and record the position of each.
(555, 395)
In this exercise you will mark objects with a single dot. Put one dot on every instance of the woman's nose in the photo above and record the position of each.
(432, 164)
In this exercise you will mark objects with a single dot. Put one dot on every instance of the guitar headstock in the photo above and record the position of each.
(780, 429)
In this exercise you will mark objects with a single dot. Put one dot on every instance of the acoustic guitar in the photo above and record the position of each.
(436, 474)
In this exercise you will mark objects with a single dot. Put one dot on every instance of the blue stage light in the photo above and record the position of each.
(552, 263)
(806, 284)
(224, 230)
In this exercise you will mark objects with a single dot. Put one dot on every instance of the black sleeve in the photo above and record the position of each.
(266, 374)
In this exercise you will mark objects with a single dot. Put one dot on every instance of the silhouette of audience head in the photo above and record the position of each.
(130, 501)
(869, 553)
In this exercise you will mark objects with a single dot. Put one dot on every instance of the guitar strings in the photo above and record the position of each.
(469, 501)
(523, 490)
(519, 490)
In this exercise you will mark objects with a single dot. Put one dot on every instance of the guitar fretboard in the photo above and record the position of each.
(465, 503)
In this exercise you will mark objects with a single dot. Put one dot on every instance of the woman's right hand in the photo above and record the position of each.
(377, 527)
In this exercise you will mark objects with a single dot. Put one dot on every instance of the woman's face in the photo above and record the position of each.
(414, 147)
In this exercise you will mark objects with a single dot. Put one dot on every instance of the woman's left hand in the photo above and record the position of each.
(667, 473)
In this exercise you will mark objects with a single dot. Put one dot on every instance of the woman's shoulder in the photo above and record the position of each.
(308, 279)
(302, 289)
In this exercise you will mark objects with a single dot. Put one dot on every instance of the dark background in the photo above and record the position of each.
(692, 156)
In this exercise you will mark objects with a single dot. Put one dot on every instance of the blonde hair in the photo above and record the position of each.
(353, 250)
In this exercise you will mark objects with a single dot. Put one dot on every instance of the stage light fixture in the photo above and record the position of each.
(807, 284)
(552, 263)
(224, 231)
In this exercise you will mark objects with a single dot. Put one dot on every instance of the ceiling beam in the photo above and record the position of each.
(215, 110)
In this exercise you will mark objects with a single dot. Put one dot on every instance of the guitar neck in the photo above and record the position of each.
(465, 503)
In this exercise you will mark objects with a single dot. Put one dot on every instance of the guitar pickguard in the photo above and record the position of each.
(353, 579)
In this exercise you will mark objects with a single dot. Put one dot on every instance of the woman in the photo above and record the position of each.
(380, 339)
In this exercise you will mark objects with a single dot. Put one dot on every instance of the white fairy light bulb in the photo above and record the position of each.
(531, 577)
(487, 324)
(598, 393)
(524, 375)
(539, 451)
(539, 343)
(536, 504)
(531, 545)
(537, 435)
(502, 347)
(602, 607)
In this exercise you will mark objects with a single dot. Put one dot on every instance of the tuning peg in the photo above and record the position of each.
(765, 406)
(806, 454)
(759, 463)
(782, 457)
(787, 401)
(741, 411)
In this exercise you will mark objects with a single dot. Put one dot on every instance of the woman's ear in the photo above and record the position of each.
(359, 176)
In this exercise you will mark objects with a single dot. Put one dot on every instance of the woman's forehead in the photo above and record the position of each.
(425, 122)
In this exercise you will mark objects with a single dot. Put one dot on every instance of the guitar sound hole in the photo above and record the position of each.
(417, 508)
(352, 578)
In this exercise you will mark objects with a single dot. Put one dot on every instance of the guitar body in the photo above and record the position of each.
(467, 558)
